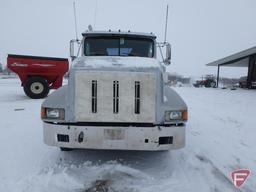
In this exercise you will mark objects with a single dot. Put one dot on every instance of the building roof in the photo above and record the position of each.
(240, 59)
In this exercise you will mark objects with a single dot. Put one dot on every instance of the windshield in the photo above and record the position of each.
(118, 46)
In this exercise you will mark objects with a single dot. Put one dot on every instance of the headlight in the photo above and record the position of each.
(52, 113)
(176, 115)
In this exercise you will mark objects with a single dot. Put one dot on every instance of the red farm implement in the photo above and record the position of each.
(38, 74)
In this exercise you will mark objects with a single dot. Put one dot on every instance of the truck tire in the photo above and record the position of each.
(36, 88)
(213, 84)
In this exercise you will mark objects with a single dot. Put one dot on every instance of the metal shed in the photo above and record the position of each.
(246, 58)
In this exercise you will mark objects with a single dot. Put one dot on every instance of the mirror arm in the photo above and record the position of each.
(160, 45)
(161, 52)
(80, 45)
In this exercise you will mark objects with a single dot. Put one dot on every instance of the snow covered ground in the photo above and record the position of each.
(220, 138)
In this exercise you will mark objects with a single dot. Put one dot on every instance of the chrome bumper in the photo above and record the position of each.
(117, 138)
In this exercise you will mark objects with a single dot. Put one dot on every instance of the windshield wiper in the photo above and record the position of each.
(132, 54)
(98, 54)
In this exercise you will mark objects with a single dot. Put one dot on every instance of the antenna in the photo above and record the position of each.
(74, 6)
(95, 13)
(166, 23)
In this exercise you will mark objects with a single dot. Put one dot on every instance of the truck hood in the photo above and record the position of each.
(96, 62)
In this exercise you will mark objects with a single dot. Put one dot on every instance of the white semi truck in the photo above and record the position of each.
(116, 97)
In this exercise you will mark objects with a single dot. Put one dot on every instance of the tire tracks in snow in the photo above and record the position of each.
(220, 175)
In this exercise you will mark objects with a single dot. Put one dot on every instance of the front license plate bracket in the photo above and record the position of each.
(114, 134)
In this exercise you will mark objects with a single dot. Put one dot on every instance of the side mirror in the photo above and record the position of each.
(74, 45)
(167, 60)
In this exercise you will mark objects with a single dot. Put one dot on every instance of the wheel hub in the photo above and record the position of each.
(37, 87)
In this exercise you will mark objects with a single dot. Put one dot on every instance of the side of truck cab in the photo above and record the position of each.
(116, 97)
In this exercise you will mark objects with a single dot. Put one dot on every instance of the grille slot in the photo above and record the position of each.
(94, 96)
(137, 97)
(62, 138)
(115, 97)
(165, 140)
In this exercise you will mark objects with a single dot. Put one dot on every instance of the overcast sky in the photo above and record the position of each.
(200, 31)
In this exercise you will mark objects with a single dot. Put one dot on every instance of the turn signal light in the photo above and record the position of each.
(185, 115)
(43, 113)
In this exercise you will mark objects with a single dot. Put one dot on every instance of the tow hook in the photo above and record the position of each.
(81, 137)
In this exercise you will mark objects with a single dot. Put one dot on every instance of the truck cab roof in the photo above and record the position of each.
(119, 33)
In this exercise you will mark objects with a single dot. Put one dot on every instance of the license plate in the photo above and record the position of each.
(114, 134)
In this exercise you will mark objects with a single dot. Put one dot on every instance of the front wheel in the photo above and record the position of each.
(36, 88)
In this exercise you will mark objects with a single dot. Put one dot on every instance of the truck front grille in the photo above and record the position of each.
(127, 97)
